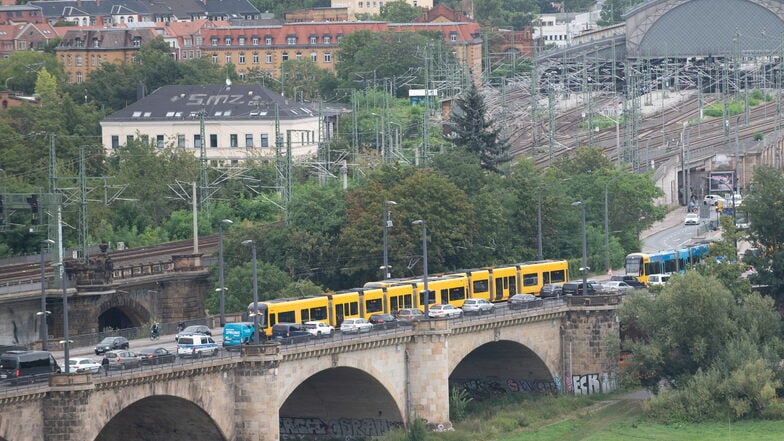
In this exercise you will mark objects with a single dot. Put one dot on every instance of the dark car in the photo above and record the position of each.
(575, 288)
(156, 356)
(383, 321)
(630, 280)
(524, 301)
(194, 330)
(551, 290)
(110, 344)
(20, 367)
(289, 332)
(406, 316)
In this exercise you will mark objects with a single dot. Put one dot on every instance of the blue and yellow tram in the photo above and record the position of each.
(641, 265)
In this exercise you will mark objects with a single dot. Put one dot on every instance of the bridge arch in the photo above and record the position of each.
(121, 312)
(509, 359)
(161, 418)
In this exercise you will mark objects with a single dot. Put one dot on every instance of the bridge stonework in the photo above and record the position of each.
(333, 388)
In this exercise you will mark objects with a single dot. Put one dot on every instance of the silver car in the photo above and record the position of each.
(477, 306)
(355, 326)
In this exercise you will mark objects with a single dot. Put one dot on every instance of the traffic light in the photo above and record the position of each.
(34, 209)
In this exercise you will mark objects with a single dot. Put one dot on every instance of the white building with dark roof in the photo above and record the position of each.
(239, 122)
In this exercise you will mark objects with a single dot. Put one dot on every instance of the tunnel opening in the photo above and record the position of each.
(117, 318)
(342, 403)
(161, 418)
(500, 368)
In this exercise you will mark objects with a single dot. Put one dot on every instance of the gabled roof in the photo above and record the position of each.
(218, 102)
(230, 8)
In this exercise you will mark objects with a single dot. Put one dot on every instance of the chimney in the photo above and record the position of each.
(140, 90)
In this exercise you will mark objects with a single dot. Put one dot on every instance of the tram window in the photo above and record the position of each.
(557, 276)
(457, 293)
(305, 313)
(393, 304)
(354, 308)
(287, 317)
(506, 282)
(430, 299)
(373, 305)
(512, 285)
(273, 319)
(319, 313)
(531, 279)
(480, 286)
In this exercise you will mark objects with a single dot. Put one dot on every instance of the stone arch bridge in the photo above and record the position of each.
(348, 388)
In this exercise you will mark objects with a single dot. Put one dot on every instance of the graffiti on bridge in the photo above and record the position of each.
(345, 428)
(480, 388)
(593, 383)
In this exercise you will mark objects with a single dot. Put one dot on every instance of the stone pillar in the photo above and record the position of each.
(590, 365)
(427, 366)
(65, 408)
(256, 405)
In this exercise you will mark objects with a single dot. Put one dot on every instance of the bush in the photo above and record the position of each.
(458, 402)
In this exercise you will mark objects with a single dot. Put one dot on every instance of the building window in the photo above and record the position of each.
(255, 58)
(233, 140)
(213, 140)
(327, 39)
(242, 41)
(291, 40)
(241, 59)
(453, 36)
(228, 58)
(78, 42)
(313, 39)
(227, 41)
(214, 41)
(115, 141)
(78, 78)
(254, 41)
(159, 141)
(214, 58)
(360, 4)
(128, 139)
(92, 60)
(187, 42)
(199, 41)
(197, 141)
(299, 55)
(249, 140)
(285, 56)
(242, 75)
(181, 141)
(268, 40)
(137, 41)
(268, 58)
(264, 140)
(327, 57)
(96, 42)
(313, 57)
(78, 60)
(145, 140)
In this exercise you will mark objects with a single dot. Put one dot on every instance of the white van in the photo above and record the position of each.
(658, 279)
(196, 345)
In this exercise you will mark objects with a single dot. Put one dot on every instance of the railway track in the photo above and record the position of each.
(30, 273)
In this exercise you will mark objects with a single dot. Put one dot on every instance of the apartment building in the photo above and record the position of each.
(239, 122)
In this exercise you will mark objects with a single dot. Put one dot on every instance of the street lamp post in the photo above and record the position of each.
(44, 313)
(257, 331)
(424, 264)
(584, 269)
(222, 288)
(607, 223)
(66, 333)
(387, 224)
(539, 252)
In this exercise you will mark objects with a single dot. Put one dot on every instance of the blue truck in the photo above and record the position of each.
(237, 334)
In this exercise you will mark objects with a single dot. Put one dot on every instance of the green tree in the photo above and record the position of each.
(399, 12)
(474, 133)
(304, 79)
(764, 203)
(18, 71)
(613, 10)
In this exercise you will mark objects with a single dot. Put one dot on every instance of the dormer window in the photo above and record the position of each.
(453, 36)
(78, 42)
(214, 41)
(268, 40)
(96, 42)
(227, 41)
(291, 39)
(254, 41)
(313, 39)
(137, 41)
(241, 41)
(327, 39)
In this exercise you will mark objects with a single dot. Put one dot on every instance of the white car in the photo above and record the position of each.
(355, 326)
(713, 199)
(447, 311)
(692, 219)
(80, 365)
(616, 286)
(318, 328)
(477, 306)
(658, 279)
